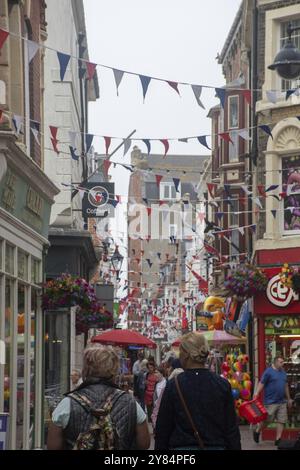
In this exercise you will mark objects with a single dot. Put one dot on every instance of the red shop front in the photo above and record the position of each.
(277, 311)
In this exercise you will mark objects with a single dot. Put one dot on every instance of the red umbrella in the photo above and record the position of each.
(124, 338)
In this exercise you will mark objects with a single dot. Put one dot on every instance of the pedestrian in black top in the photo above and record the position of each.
(209, 401)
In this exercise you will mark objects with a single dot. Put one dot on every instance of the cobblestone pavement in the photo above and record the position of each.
(247, 440)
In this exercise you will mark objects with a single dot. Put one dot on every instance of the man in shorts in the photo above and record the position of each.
(276, 397)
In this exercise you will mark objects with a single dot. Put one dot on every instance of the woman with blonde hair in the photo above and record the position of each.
(197, 408)
(76, 414)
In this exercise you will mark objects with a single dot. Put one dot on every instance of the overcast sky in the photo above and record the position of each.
(171, 39)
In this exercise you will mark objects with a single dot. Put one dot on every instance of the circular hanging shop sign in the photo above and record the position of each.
(278, 294)
(98, 196)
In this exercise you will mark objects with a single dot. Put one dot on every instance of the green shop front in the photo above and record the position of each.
(26, 195)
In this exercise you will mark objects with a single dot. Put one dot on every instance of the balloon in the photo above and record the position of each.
(238, 366)
(245, 394)
(246, 376)
(234, 383)
(238, 376)
(238, 402)
(247, 384)
(225, 367)
(235, 393)
(246, 359)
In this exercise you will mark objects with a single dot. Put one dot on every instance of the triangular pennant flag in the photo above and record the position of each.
(106, 166)
(244, 134)
(174, 85)
(127, 145)
(274, 212)
(253, 228)
(257, 202)
(107, 144)
(35, 125)
(247, 95)
(82, 69)
(91, 68)
(266, 129)
(73, 154)
(226, 137)
(149, 211)
(3, 37)
(18, 122)
(246, 190)
(241, 230)
(159, 255)
(211, 189)
(32, 48)
(261, 189)
(145, 83)
(289, 93)
(158, 179)
(165, 142)
(176, 184)
(145, 200)
(184, 139)
(54, 143)
(227, 189)
(81, 193)
(63, 62)
(272, 187)
(221, 94)
(201, 216)
(113, 202)
(148, 145)
(202, 140)
(88, 142)
(118, 74)
(272, 96)
(197, 90)
(72, 137)
(219, 215)
(53, 130)
(35, 133)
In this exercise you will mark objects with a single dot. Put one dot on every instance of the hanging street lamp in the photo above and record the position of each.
(116, 261)
(287, 61)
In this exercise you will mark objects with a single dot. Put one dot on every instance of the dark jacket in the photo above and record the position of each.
(123, 413)
(211, 405)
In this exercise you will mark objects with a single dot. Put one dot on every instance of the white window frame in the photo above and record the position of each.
(231, 224)
(289, 84)
(170, 185)
(233, 149)
(231, 98)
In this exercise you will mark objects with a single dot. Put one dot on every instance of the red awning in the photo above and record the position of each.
(124, 338)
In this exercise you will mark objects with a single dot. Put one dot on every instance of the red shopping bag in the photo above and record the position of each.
(253, 411)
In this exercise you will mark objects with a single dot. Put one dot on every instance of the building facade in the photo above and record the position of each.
(26, 196)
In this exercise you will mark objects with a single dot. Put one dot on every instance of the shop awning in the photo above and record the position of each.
(216, 337)
(124, 338)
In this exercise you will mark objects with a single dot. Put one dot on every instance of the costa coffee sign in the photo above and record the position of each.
(277, 298)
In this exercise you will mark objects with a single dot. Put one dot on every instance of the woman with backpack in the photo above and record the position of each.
(97, 415)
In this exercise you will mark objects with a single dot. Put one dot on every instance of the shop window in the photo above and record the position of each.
(168, 192)
(282, 337)
(20, 365)
(9, 259)
(22, 265)
(233, 222)
(35, 271)
(291, 186)
(34, 304)
(233, 148)
(289, 84)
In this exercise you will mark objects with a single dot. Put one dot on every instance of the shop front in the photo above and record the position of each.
(277, 312)
(26, 195)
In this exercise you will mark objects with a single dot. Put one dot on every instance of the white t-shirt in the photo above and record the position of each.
(61, 414)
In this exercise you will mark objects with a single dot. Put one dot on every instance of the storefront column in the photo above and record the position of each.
(2, 336)
(39, 367)
(13, 367)
(27, 389)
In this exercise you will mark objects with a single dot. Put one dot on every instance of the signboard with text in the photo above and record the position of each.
(4, 423)
(277, 298)
(98, 200)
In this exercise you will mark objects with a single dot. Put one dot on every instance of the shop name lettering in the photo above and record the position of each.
(34, 202)
(278, 294)
(9, 194)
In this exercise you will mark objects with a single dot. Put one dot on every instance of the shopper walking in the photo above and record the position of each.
(141, 383)
(276, 398)
(76, 378)
(151, 381)
(198, 411)
(136, 369)
(96, 399)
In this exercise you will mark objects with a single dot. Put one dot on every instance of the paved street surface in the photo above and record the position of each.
(247, 440)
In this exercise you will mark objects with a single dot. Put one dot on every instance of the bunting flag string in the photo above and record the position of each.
(63, 62)
(32, 48)
(3, 36)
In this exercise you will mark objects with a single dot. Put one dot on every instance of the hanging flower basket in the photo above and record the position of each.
(245, 281)
(68, 291)
(290, 277)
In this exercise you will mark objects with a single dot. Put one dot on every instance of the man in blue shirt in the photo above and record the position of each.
(276, 391)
